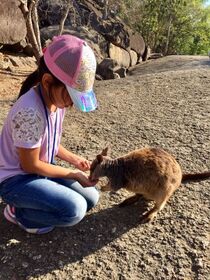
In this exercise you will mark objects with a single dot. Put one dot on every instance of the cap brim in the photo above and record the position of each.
(83, 101)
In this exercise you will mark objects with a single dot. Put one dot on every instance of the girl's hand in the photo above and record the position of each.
(82, 163)
(78, 161)
(83, 179)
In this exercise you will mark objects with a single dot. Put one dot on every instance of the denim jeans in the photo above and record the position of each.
(41, 201)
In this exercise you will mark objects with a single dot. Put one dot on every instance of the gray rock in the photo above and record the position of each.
(12, 27)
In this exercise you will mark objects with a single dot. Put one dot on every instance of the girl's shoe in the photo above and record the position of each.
(9, 214)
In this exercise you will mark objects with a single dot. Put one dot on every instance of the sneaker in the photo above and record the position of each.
(9, 214)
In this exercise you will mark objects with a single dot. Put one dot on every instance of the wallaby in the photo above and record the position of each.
(151, 172)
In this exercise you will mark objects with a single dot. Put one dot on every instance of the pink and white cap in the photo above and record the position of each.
(73, 62)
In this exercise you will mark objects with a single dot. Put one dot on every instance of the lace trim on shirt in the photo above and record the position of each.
(28, 126)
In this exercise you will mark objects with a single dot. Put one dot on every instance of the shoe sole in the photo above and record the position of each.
(37, 231)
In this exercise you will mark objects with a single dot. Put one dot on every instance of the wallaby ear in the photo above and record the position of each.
(104, 151)
(99, 158)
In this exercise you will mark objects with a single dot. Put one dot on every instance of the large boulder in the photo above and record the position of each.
(90, 20)
(110, 69)
(137, 43)
(113, 31)
(12, 27)
(85, 13)
(133, 58)
(50, 12)
(96, 42)
(120, 55)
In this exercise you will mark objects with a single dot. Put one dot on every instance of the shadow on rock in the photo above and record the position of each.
(39, 254)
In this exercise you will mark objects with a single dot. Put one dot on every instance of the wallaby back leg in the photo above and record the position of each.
(130, 200)
(151, 214)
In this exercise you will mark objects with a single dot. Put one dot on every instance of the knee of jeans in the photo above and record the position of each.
(74, 215)
(93, 198)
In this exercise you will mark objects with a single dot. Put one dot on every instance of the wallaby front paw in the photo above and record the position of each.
(146, 218)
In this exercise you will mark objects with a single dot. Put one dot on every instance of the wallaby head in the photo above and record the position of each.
(95, 169)
(104, 166)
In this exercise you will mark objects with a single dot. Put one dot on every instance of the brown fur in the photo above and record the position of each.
(151, 172)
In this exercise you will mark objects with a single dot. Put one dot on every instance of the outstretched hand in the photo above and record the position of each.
(82, 164)
(83, 179)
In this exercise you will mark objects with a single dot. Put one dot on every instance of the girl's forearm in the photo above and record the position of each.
(50, 170)
(30, 163)
(66, 155)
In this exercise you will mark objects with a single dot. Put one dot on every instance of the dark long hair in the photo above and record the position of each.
(36, 77)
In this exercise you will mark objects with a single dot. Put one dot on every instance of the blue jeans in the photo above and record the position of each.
(41, 202)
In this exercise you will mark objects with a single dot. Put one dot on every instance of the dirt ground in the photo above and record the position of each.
(162, 103)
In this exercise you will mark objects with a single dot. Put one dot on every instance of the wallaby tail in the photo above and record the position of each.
(196, 176)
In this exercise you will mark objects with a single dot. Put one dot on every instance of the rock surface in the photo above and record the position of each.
(106, 33)
(12, 27)
(165, 102)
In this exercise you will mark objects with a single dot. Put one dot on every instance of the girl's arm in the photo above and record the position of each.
(30, 163)
(79, 162)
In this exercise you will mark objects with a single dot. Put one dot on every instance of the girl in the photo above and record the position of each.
(39, 194)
